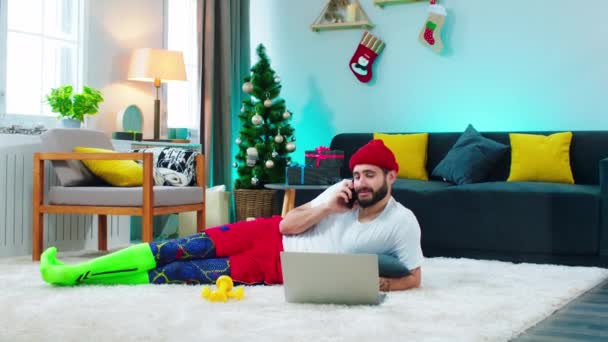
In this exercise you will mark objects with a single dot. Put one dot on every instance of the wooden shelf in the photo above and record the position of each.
(382, 3)
(340, 26)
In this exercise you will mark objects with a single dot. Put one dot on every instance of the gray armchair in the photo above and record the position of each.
(80, 192)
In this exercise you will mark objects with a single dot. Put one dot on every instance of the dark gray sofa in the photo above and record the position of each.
(516, 221)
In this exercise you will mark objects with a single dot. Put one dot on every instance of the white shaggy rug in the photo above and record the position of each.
(460, 300)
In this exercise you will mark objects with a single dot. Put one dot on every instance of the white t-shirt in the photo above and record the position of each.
(394, 232)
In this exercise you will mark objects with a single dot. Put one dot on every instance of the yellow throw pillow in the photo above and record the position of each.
(114, 172)
(410, 152)
(541, 158)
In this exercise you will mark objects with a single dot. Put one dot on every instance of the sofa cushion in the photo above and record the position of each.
(410, 151)
(123, 197)
(114, 172)
(390, 267)
(536, 157)
(470, 159)
(415, 185)
(531, 187)
(514, 217)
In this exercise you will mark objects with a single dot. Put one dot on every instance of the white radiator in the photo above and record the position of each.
(67, 232)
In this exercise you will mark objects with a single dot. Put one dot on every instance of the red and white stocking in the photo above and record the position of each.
(361, 63)
(430, 35)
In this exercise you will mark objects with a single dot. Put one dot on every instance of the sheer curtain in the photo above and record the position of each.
(224, 50)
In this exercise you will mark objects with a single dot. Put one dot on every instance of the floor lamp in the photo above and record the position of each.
(158, 66)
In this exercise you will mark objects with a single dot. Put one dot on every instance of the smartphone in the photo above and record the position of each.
(353, 199)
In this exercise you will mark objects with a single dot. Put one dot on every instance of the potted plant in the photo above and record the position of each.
(73, 107)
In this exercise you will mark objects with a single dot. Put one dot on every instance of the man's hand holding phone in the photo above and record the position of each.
(344, 198)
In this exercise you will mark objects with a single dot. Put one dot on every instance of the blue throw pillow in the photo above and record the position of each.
(470, 159)
(391, 267)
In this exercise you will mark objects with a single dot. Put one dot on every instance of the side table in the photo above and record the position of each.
(289, 199)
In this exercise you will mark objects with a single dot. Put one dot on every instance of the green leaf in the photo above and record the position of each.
(75, 106)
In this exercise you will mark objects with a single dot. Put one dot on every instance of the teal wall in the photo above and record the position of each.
(508, 65)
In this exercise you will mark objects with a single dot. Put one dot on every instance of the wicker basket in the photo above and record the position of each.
(254, 203)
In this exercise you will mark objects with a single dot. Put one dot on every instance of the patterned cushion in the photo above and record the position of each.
(179, 160)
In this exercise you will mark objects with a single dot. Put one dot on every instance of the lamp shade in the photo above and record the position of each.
(148, 65)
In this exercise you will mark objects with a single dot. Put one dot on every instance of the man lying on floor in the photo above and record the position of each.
(249, 251)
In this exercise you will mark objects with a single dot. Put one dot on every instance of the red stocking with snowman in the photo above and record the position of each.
(361, 63)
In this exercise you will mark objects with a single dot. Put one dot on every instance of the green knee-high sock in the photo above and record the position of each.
(127, 266)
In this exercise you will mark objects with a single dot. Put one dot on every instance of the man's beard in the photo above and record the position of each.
(377, 196)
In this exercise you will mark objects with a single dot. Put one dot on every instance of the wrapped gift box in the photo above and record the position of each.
(324, 157)
(305, 175)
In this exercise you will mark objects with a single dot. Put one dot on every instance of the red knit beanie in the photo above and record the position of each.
(374, 153)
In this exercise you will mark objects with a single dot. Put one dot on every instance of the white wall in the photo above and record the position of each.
(509, 65)
(116, 27)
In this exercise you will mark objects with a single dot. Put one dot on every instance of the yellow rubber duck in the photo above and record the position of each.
(223, 291)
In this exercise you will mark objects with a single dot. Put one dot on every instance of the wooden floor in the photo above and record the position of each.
(584, 319)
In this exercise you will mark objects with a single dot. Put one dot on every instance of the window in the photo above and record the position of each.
(183, 109)
(40, 49)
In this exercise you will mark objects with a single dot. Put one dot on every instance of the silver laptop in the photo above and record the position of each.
(326, 278)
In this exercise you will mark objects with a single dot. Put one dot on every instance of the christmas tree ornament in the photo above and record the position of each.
(269, 164)
(252, 156)
(286, 115)
(278, 138)
(235, 165)
(243, 109)
(290, 147)
(368, 50)
(254, 180)
(257, 119)
(277, 79)
(248, 87)
(430, 35)
(238, 141)
(252, 152)
(275, 154)
(268, 103)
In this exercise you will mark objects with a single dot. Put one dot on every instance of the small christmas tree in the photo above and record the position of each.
(266, 137)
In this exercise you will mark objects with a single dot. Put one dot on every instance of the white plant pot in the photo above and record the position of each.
(69, 123)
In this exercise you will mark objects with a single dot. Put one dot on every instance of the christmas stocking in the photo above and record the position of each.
(430, 35)
(361, 63)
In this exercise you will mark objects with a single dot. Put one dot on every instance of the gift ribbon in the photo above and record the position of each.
(319, 156)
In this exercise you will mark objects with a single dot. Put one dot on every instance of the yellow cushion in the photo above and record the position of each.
(410, 152)
(114, 172)
(541, 158)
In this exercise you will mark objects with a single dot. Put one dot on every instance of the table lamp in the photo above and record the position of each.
(158, 66)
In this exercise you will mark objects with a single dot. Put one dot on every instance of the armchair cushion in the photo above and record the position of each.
(123, 197)
(114, 172)
(73, 172)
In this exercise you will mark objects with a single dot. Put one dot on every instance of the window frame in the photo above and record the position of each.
(80, 70)
(165, 90)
